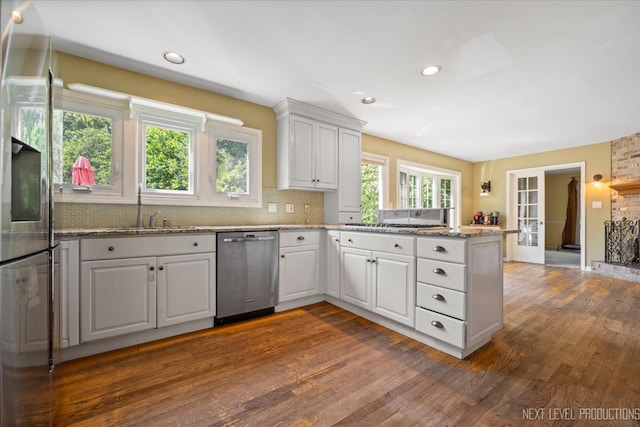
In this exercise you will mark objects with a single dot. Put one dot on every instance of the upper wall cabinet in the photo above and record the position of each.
(308, 136)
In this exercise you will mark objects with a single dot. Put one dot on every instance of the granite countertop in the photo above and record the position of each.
(463, 231)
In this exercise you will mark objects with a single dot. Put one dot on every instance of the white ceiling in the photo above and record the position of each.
(518, 76)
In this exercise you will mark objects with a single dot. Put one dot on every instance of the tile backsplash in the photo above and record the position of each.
(84, 215)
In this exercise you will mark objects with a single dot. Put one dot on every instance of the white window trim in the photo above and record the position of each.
(150, 117)
(128, 144)
(253, 137)
(383, 162)
(409, 166)
(97, 106)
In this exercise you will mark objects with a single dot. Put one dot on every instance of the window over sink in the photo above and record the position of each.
(178, 155)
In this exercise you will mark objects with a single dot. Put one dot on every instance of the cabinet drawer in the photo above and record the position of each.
(400, 245)
(440, 273)
(299, 238)
(442, 300)
(451, 250)
(349, 217)
(441, 327)
(128, 247)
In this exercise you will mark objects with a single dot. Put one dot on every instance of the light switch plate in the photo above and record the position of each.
(272, 207)
(288, 207)
(596, 204)
(307, 208)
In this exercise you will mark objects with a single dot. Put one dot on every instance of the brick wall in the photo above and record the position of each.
(625, 167)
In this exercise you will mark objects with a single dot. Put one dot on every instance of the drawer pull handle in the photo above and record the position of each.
(437, 324)
(438, 297)
(439, 249)
(195, 243)
(439, 271)
(111, 248)
(396, 245)
(300, 237)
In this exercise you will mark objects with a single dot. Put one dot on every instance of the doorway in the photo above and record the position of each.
(537, 206)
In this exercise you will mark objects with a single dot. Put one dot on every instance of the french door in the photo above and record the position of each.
(527, 207)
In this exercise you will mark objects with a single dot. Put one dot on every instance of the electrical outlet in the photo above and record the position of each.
(288, 207)
(307, 208)
(272, 207)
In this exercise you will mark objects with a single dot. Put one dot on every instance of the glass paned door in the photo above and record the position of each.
(529, 208)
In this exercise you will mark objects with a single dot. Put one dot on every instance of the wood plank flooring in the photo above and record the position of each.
(570, 348)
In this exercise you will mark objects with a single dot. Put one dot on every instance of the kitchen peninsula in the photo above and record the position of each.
(442, 287)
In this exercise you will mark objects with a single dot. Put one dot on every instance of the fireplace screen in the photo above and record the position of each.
(621, 242)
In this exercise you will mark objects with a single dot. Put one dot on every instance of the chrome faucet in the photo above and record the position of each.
(139, 223)
(152, 219)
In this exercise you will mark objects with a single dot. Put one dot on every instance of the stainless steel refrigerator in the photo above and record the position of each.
(27, 300)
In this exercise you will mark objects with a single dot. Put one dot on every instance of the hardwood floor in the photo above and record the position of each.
(570, 348)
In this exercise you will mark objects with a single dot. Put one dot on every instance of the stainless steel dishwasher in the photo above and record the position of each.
(247, 274)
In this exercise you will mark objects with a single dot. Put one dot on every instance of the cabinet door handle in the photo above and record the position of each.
(437, 324)
(152, 268)
(439, 271)
(439, 249)
(368, 260)
(373, 261)
(337, 240)
(161, 268)
(350, 240)
(438, 297)
(300, 237)
(396, 245)
(281, 256)
(111, 249)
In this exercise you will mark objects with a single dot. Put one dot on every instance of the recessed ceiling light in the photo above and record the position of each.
(16, 17)
(368, 100)
(431, 70)
(173, 57)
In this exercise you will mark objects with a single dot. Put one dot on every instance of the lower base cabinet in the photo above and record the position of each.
(121, 293)
(299, 265)
(186, 288)
(117, 297)
(383, 280)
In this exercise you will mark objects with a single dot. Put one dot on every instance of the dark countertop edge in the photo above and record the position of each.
(104, 232)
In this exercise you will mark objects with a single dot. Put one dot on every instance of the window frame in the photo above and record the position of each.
(421, 170)
(252, 137)
(95, 106)
(149, 116)
(129, 139)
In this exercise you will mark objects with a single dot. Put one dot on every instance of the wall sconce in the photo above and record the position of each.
(486, 188)
(597, 177)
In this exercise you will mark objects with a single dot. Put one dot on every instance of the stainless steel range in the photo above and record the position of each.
(423, 217)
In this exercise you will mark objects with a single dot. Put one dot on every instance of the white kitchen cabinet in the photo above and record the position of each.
(299, 265)
(459, 291)
(186, 288)
(313, 154)
(332, 266)
(67, 288)
(308, 157)
(132, 284)
(382, 281)
(118, 296)
(356, 276)
(344, 205)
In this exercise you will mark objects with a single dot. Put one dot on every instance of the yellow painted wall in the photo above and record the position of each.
(396, 151)
(73, 69)
(597, 159)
